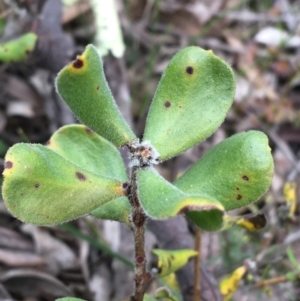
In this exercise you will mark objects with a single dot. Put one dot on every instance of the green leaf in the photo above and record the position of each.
(41, 187)
(236, 172)
(18, 49)
(82, 147)
(83, 86)
(116, 210)
(169, 261)
(162, 200)
(191, 101)
(88, 150)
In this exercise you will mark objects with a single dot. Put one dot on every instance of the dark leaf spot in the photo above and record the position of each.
(245, 178)
(8, 164)
(189, 70)
(78, 63)
(239, 197)
(37, 185)
(167, 104)
(237, 188)
(48, 142)
(80, 176)
(172, 257)
(125, 185)
(97, 88)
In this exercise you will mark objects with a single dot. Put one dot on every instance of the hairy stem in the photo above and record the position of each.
(138, 220)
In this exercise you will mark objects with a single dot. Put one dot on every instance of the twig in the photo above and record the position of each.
(197, 263)
(271, 281)
(138, 220)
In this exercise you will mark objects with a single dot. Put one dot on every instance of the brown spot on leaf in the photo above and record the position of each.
(189, 70)
(80, 176)
(97, 88)
(37, 185)
(167, 104)
(239, 197)
(8, 164)
(78, 63)
(245, 178)
(48, 142)
(237, 188)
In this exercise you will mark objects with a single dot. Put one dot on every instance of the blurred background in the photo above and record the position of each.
(260, 39)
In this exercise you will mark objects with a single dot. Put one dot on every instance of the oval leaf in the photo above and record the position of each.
(169, 261)
(236, 172)
(191, 101)
(18, 49)
(41, 187)
(83, 86)
(162, 200)
(88, 150)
